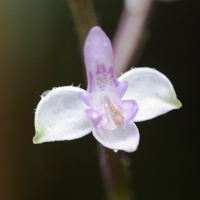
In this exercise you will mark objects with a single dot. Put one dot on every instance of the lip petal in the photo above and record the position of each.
(121, 138)
(99, 61)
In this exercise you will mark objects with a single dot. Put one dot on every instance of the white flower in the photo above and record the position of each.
(109, 106)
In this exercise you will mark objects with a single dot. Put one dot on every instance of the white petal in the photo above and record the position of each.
(121, 138)
(152, 91)
(60, 116)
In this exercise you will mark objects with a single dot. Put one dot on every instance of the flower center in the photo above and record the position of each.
(112, 118)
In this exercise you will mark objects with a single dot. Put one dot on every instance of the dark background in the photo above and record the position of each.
(39, 50)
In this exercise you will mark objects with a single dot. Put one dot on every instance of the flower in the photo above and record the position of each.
(109, 106)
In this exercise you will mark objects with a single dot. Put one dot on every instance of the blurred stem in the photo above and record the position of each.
(131, 33)
(115, 168)
(84, 17)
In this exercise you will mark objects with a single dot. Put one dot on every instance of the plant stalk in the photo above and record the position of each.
(116, 174)
(131, 34)
(84, 17)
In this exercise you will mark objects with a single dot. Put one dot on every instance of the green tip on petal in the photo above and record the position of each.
(60, 116)
(37, 139)
(177, 104)
(172, 99)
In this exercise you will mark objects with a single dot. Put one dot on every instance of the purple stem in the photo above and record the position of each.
(116, 174)
(131, 34)
(84, 17)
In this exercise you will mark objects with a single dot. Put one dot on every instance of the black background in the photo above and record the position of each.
(39, 50)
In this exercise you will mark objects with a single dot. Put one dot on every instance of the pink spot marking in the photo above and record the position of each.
(100, 69)
(101, 76)
(90, 81)
(99, 79)
(112, 75)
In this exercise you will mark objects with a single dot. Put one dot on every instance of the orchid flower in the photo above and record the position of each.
(109, 106)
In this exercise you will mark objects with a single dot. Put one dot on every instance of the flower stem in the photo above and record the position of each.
(115, 168)
(131, 34)
(84, 17)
